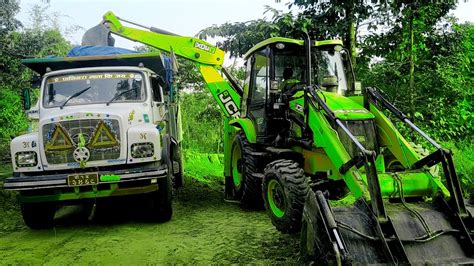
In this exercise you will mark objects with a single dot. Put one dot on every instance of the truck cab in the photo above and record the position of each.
(107, 126)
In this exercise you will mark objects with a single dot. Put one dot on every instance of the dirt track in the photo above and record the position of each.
(204, 229)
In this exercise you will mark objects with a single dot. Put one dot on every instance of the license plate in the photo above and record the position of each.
(83, 179)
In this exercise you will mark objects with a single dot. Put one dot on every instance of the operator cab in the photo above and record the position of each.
(276, 72)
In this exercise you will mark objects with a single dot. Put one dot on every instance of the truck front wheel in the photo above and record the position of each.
(161, 208)
(38, 215)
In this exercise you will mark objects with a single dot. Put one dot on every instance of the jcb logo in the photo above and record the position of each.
(229, 104)
(202, 46)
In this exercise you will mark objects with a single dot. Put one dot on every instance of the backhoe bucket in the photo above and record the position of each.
(352, 234)
(98, 36)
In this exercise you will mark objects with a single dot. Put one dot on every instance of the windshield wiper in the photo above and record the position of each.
(74, 96)
(120, 94)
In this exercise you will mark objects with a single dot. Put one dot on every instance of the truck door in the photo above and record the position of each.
(159, 108)
(258, 89)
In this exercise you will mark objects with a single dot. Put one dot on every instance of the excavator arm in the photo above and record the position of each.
(207, 57)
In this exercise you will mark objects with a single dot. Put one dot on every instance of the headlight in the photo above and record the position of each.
(142, 150)
(26, 158)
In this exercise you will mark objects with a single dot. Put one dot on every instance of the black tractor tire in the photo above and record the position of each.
(160, 201)
(38, 215)
(248, 192)
(285, 189)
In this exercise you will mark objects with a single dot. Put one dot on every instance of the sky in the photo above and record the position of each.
(183, 17)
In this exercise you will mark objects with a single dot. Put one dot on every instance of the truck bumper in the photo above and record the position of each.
(55, 187)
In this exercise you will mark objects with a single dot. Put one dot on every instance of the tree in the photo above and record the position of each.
(8, 22)
(17, 42)
(239, 37)
(320, 19)
(416, 18)
(443, 79)
(343, 19)
(406, 42)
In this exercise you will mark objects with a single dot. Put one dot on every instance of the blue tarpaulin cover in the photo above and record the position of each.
(98, 50)
(94, 56)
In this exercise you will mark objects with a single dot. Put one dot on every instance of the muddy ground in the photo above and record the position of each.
(204, 229)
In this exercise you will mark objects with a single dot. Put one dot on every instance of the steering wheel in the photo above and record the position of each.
(293, 88)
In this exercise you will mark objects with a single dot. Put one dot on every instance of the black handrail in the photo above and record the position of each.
(366, 156)
(442, 155)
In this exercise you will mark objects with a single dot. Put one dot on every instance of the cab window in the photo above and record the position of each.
(156, 87)
(260, 78)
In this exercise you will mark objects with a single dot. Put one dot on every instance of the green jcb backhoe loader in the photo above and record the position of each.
(321, 154)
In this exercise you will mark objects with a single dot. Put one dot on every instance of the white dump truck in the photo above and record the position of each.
(107, 126)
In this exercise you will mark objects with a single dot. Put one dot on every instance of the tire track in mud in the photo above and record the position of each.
(204, 229)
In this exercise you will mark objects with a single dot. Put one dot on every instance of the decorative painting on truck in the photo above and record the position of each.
(66, 140)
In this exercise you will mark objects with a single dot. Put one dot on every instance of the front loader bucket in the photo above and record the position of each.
(98, 35)
(351, 234)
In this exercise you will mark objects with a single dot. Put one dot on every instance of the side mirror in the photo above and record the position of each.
(358, 88)
(26, 99)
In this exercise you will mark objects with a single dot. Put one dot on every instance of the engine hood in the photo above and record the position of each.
(345, 108)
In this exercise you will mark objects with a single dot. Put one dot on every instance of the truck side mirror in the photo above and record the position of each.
(26, 99)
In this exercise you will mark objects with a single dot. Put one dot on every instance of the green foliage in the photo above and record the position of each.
(202, 122)
(464, 163)
(443, 81)
(7, 16)
(239, 37)
(343, 19)
(42, 39)
(40, 43)
(204, 167)
(10, 103)
(189, 77)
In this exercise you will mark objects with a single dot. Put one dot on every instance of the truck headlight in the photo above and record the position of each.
(26, 158)
(142, 150)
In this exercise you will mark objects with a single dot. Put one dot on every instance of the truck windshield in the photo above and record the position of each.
(327, 68)
(94, 87)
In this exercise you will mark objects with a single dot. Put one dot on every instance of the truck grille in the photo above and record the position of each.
(100, 137)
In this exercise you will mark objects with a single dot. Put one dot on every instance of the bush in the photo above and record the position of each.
(13, 119)
(464, 163)
(202, 122)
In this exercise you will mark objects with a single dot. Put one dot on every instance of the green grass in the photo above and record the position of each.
(9, 209)
(206, 168)
(5, 170)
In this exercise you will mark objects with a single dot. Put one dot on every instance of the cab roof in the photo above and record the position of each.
(151, 61)
(272, 40)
